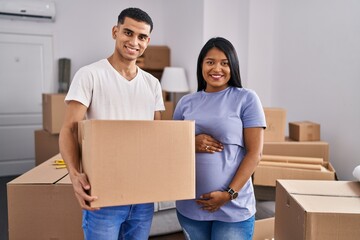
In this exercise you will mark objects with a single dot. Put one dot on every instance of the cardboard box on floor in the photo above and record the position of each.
(53, 107)
(304, 131)
(317, 210)
(42, 205)
(264, 229)
(46, 145)
(130, 162)
(267, 175)
(275, 124)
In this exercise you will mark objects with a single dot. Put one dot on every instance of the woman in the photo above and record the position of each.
(229, 123)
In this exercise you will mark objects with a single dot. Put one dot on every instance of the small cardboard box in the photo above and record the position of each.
(53, 107)
(275, 124)
(317, 210)
(42, 205)
(154, 58)
(46, 145)
(129, 162)
(264, 229)
(267, 175)
(304, 131)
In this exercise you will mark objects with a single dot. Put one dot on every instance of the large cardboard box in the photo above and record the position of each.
(275, 124)
(155, 58)
(264, 229)
(46, 145)
(53, 107)
(129, 162)
(304, 131)
(42, 205)
(267, 175)
(317, 210)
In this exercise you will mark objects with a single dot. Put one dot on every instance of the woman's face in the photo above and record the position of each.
(216, 70)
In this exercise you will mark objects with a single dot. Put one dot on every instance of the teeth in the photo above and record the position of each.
(131, 49)
(216, 76)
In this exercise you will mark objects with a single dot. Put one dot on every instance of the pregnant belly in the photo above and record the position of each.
(213, 172)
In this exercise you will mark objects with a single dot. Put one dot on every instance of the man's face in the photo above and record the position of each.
(132, 38)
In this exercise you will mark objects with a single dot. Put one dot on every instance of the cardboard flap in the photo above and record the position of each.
(45, 173)
(329, 204)
(322, 188)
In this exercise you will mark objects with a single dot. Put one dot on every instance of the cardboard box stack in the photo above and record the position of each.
(47, 139)
(304, 156)
(317, 210)
(275, 124)
(154, 60)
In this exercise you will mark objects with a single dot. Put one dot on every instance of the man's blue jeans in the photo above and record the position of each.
(214, 230)
(130, 222)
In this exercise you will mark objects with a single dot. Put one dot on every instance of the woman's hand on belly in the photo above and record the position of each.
(207, 144)
(213, 201)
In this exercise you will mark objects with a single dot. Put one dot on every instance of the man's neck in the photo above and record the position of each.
(127, 69)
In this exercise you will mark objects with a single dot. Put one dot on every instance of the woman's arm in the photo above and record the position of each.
(254, 139)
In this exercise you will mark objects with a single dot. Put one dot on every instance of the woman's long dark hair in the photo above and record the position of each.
(228, 49)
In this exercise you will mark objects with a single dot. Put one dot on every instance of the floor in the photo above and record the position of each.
(4, 220)
(174, 236)
(3, 207)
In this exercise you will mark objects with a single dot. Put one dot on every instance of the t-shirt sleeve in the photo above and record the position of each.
(81, 87)
(253, 112)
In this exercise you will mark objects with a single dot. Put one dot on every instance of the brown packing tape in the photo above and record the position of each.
(316, 167)
(292, 159)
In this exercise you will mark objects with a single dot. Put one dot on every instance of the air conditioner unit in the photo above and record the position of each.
(38, 10)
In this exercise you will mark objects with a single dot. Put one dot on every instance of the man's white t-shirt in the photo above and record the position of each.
(108, 95)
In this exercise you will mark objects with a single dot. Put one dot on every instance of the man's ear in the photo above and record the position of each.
(114, 31)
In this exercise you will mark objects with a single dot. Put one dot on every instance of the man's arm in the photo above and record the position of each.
(69, 149)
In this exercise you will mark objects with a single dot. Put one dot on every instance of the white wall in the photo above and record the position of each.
(229, 19)
(307, 56)
(260, 53)
(183, 27)
(82, 30)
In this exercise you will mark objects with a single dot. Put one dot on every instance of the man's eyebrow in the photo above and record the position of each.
(129, 30)
(143, 35)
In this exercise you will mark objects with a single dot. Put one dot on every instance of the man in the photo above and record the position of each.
(112, 88)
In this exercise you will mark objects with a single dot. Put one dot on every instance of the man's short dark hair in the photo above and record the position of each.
(136, 14)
